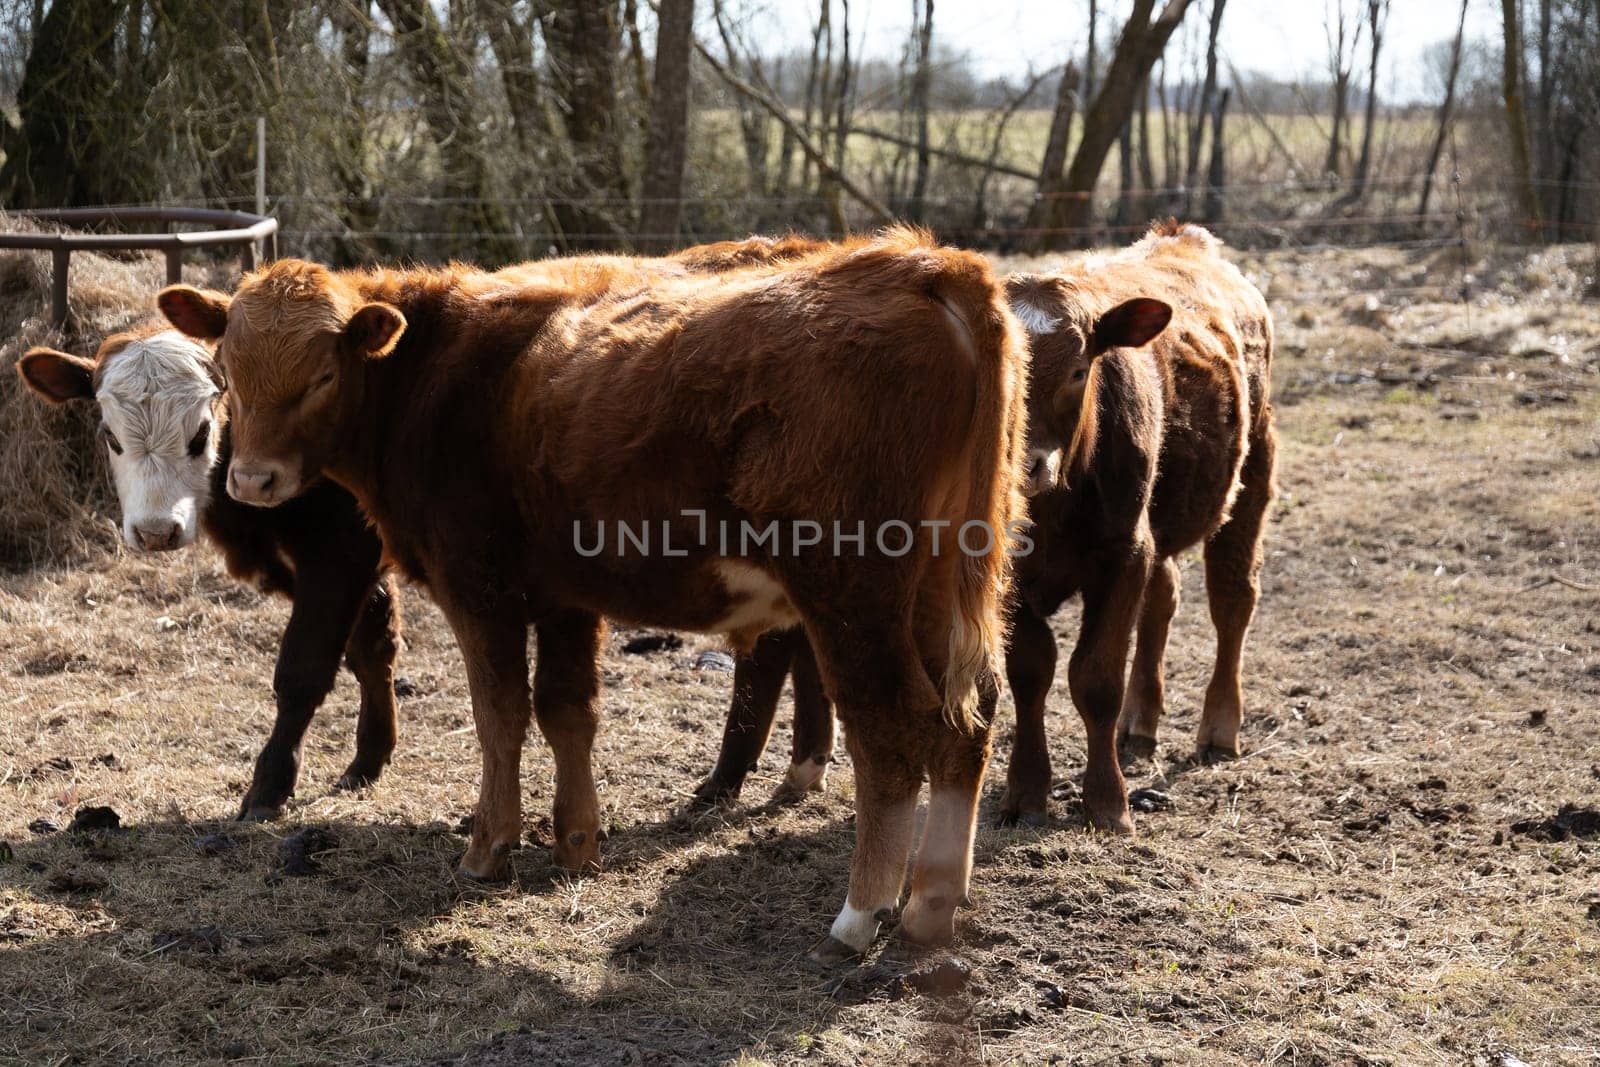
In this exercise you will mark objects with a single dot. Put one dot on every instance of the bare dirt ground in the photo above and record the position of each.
(1404, 867)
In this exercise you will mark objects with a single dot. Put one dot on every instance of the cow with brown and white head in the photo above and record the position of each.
(159, 395)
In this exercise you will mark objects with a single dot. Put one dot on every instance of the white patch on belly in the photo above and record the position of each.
(758, 602)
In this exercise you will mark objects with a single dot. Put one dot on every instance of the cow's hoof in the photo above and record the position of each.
(259, 811)
(830, 952)
(1134, 748)
(928, 923)
(711, 794)
(486, 864)
(578, 852)
(1209, 754)
(1014, 817)
(807, 776)
(1111, 819)
(358, 777)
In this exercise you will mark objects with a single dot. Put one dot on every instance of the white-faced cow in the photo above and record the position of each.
(163, 425)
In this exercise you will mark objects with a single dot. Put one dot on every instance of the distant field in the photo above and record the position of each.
(1403, 868)
(1253, 155)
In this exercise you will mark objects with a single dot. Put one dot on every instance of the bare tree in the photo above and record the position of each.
(583, 39)
(1344, 37)
(1446, 114)
(1208, 92)
(1377, 16)
(1053, 169)
(667, 139)
(1141, 43)
(1516, 117)
(916, 208)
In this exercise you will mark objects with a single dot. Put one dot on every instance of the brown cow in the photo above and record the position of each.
(164, 430)
(491, 432)
(1135, 456)
(168, 445)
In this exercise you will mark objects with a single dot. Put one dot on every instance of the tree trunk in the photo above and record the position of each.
(583, 39)
(1091, 59)
(1446, 110)
(511, 40)
(1377, 12)
(1342, 46)
(1052, 171)
(666, 141)
(77, 144)
(917, 209)
(1216, 173)
(1208, 93)
(1140, 45)
(1527, 200)
(444, 84)
(1147, 173)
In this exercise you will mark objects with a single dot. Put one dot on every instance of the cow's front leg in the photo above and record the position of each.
(495, 649)
(326, 602)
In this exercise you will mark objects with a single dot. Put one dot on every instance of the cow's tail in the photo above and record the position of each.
(992, 458)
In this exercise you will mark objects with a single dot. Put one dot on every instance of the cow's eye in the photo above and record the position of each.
(201, 438)
(326, 379)
(111, 440)
(1079, 375)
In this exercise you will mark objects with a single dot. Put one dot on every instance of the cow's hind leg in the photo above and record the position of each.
(1097, 675)
(1146, 697)
(1031, 669)
(1233, 565)
(494, 647)
(813, 726)
(370, 654)
(757, 684)
(326, 601)
(888, 707)
(566, 699)
(941, 880)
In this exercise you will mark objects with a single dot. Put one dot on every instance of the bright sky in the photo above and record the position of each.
(1283, 38)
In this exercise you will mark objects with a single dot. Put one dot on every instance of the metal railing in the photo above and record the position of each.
(243, 229)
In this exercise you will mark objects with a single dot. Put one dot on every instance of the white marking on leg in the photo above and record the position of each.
(855, 927)
(807, 776)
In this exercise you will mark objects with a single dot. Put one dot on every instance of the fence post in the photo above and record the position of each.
(174, 265)
(261, 164)
(60, 260)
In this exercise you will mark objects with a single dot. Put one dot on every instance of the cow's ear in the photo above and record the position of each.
(375, 329)
(1032, 296)
(201, 313)
(1132, 324)
(57, 376)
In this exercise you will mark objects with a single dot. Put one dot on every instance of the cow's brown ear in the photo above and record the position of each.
(1131, 324)
(375, 329)
(201, 313)
(57, 376)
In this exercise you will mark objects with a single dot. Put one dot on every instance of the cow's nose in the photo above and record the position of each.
(159, 536)
(253, 483)
(1040, 470)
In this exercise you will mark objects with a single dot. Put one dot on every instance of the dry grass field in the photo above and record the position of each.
(1404, 868)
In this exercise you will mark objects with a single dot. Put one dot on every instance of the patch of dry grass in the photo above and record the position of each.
(1350, 891)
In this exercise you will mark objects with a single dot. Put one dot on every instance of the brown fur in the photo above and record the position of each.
(1165, 447)
(874, 381)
